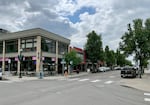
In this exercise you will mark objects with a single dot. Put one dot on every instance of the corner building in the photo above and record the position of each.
(42, 50)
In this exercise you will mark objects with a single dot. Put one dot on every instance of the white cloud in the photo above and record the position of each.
(110, 20)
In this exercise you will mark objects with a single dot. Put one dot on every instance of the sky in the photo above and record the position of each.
(74, 19)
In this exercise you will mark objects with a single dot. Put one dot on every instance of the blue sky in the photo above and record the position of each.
(75, 17)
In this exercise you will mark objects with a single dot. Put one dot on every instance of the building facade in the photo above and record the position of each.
(42, 50)
(80, 53)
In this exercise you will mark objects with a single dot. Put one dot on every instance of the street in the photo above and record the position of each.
(92, 89)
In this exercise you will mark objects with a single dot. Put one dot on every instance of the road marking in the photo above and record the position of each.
(74, 79)
(108, 82)
(6, 81)
(83, 80)
(147, 94)
(111, 76)
(95, 80)
(147, 99)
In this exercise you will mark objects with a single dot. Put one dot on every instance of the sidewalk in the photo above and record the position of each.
(138, 83)
(27, 78)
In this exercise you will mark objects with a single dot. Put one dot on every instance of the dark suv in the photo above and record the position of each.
(128, 72)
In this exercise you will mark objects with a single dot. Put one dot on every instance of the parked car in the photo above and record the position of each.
(128, 72)
(103, 69)
(77, 71)
(117, 68)
(0, 73)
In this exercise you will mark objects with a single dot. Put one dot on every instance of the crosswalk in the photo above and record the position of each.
(86, 80)
(147, 97)
(11, 81)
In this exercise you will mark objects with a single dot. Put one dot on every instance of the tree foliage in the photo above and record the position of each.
(93, 47)
(109, 56)
(136, 41)
(72, 57)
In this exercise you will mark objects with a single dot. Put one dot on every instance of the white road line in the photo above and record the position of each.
(147, 99)
(61, 79)
(74, 79)
(95, 80)
(111, 76)
(83, 80)
(6, 81)
(147, 94)
(108, 82)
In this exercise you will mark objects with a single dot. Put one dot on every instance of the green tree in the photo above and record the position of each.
(93, 47)
(72, 57)
(136, 41)
(109, 57)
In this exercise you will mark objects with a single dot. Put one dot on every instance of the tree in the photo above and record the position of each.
(109, 57)
(93, 47)
(72, 57)
(136, 41)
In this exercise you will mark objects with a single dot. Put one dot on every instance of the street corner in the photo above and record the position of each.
(136, 83)
(78, 75)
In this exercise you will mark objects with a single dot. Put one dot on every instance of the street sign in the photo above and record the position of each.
(63, 62)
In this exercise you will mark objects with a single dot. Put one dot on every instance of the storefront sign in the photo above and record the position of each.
(16, 58)
(34, 58)
(53, 59)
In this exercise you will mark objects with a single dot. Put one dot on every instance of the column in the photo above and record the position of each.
(56, 67)
(38, 54)
(19, 47)
(3, 61)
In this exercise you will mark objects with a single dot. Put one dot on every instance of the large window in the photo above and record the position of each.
(62, 48)
(28, 44)
(48, 45)
(11, 46)
(1, 47)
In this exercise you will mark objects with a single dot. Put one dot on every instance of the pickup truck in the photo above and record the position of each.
(128, 72)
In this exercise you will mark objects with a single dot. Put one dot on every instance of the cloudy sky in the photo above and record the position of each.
(74, 19)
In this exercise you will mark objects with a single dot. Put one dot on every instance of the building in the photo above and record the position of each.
(42, 50)
(80, 53)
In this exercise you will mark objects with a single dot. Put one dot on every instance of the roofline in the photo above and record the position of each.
(33, 32)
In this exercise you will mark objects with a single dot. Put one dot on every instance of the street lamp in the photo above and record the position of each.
(139, 63)
(63, 62)
(20, 57)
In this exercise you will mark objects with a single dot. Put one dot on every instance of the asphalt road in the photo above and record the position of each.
(92, 89)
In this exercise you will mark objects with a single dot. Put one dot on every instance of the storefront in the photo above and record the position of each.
(41, 51)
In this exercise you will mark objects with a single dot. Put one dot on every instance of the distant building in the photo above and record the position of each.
(80, 53)
(40, 48)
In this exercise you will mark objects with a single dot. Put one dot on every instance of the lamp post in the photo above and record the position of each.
(63, 62)
(9, 61)
(71, 63)
(20, 57)
(139, 63)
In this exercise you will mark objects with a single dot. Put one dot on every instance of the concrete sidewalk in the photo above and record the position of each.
(138, 83)
(27, 78)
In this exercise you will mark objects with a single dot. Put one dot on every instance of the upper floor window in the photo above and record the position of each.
(1, 47)
(11, 46)
(48, 45)
(62, 48)
(28, 44)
